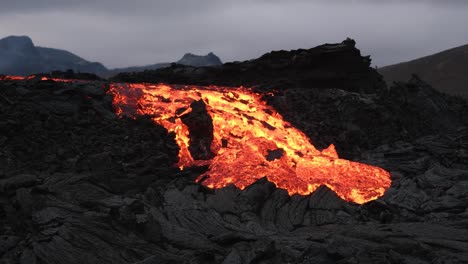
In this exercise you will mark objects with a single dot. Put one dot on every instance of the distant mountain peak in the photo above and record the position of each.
(17, 39)
(19, 56)
(16, 43)
(199, 60)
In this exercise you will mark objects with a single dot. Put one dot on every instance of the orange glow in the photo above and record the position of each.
(12, 78)
(22, 78)
(251, 141)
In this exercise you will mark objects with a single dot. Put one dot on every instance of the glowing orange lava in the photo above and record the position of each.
(31, 77)
(246, 133)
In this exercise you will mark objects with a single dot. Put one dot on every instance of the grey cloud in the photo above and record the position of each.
(145, 7)
(178, 7)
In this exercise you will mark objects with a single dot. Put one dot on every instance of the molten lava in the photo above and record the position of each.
(31, 77)
(250, 141)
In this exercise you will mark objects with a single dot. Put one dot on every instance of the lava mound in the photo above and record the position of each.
(242, 139)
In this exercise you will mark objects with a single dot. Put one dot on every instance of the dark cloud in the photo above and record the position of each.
(137, 7)
(123, 33)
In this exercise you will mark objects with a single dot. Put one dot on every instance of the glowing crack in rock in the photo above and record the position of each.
(246, 132)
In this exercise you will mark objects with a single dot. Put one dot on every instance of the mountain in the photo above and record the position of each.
(188, 59)
(19, 56)
(446, 71)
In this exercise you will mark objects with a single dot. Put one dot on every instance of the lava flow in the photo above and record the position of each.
(250, 141)
(32, 77)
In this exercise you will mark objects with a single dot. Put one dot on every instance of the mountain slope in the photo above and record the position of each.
(445, 71)
(19, 56)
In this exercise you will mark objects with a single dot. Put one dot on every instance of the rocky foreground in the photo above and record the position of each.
(80, 185)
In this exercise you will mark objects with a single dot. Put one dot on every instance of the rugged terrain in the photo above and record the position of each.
(80, 185)
(445, 71)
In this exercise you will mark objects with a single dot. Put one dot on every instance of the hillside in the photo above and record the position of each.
(19, 56)
(446, 71)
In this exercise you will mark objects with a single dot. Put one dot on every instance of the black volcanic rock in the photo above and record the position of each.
(70, 75)
(338, 66)
(200, 126)
(357, 122)
(19, 56)
(113, 72)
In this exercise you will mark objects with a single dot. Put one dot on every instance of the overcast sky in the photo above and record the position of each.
(124, 32)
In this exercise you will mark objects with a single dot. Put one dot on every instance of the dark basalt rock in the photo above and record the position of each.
(200, 126)
(79, 185)
(274, 154)
(70, 74)
(357, 122)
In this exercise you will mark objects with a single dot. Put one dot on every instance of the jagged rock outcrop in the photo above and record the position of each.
(339, 66)
(357, 122)
(200, 128)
